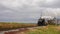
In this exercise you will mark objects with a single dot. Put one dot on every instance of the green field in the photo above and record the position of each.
(50, 29)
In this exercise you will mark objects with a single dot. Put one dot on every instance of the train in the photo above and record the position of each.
(45, 20)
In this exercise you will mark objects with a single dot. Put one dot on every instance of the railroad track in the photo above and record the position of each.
(14, 31)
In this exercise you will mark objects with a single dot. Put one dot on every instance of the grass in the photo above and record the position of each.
(8, 25)
(51, 29)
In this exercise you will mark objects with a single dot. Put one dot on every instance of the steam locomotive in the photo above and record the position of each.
(45, 20)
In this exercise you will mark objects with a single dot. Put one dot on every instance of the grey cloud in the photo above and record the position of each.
(24, 10)
(31, 3)
(53, 4)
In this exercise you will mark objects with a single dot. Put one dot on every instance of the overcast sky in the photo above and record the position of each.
(27, 10)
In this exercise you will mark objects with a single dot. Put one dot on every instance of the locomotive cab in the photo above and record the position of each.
(41, 22)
